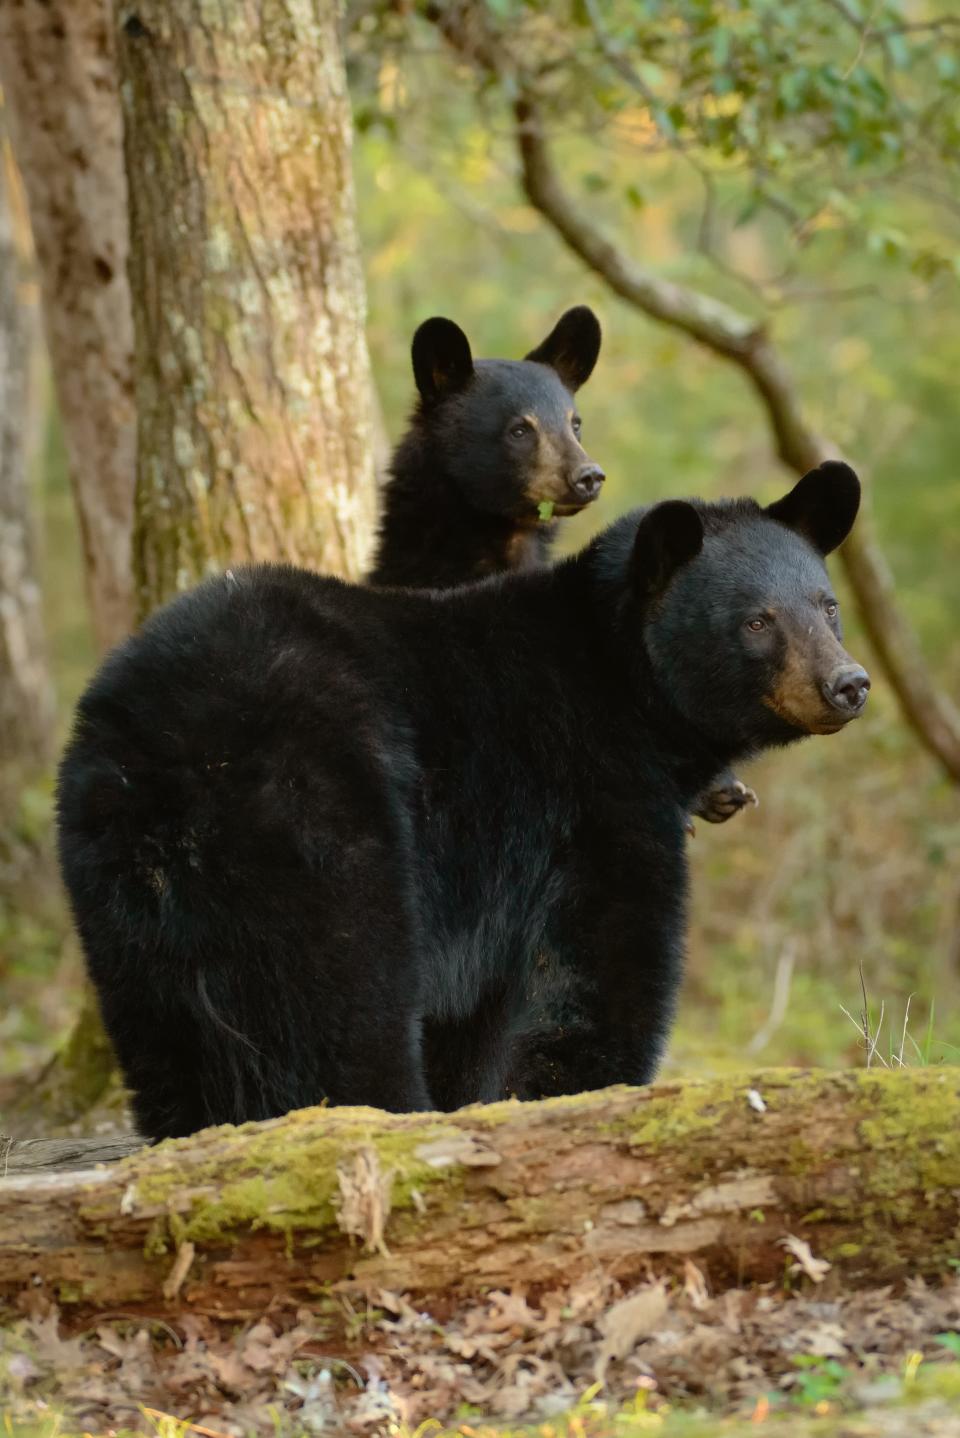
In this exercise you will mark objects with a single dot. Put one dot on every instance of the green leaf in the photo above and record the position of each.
(721, 46)
(748, 211)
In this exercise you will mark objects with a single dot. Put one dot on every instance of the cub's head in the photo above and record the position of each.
(740, 620)
(508, 431)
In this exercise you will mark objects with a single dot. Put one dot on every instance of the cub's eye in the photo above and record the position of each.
(756, 626)
(576, 424)
(519, 431)
(831, 609)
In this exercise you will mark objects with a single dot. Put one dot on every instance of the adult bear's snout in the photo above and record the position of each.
(847, 688)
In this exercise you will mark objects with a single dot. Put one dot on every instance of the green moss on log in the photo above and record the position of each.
(283, 1180)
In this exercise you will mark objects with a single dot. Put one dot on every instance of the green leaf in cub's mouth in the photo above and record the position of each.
(545, 508)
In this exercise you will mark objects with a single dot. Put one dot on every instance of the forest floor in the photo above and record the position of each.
(586, 1361)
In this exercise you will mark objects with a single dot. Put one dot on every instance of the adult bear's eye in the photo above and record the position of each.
(757, 625)
(576, 424)
(520, 431)
(831, 609)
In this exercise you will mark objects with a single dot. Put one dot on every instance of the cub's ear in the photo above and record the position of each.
(821, 506)
(668, 536)
(442, 362)
(571, 347)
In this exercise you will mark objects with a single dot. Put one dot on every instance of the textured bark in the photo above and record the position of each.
(26, 696)
(253, 380)
(20, 1156)
(57, 72)
(864, 1167)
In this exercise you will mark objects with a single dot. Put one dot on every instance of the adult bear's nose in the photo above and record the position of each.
(587, 481)
(847, 689)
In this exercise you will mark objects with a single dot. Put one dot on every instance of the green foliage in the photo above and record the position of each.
(819, 1380)
(801, 110)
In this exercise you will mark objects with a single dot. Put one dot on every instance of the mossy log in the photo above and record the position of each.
(862, 1167)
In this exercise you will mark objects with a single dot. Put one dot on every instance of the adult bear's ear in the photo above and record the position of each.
(668, 536)
(821, 506)
(442, 362)
(571, 347)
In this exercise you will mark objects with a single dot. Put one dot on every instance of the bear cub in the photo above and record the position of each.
(492, 452)
(303, 822)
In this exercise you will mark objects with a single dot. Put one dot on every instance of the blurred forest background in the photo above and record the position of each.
(798, 162)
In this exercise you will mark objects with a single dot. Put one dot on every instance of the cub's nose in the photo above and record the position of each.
(847, 689)
(587, 481)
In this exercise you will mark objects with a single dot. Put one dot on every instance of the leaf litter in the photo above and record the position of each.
(513, 1356)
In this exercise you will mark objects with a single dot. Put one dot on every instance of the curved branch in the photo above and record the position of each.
(737, 338)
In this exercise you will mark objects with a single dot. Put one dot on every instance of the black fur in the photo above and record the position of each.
(302, 823)
(465, 488)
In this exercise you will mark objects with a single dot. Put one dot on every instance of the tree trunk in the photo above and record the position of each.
(59, 84)
(862, 1167)
(253, 380)
(26, 696)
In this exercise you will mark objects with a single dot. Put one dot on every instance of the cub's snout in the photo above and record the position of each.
(586, 483)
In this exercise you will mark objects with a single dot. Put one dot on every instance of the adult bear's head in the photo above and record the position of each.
(740, 621)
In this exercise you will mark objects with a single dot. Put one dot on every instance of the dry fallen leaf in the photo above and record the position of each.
(815, 1268)
(695, 1285)
(626, 1323)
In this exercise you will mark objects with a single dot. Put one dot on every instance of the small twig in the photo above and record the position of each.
(871, 1041)
(781, 1000)
(903, 1036)
(182, 1423)
(875, 1052)
(140, 1319)
(182, 1264)
(862, 1025)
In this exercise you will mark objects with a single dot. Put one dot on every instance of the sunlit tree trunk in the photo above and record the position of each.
(59, 85)
(253, 380)
(26, 701)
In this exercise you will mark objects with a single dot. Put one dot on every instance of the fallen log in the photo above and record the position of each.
(862, 1168)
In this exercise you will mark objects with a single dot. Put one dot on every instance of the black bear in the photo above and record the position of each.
(491, 455)
(301, 820)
